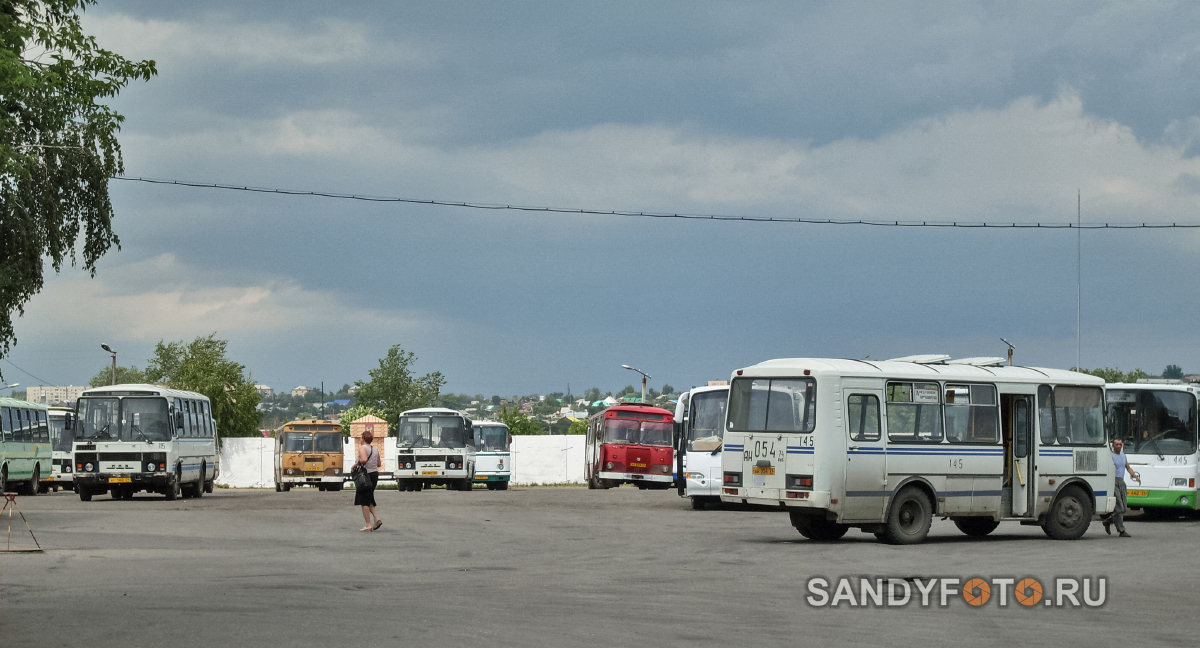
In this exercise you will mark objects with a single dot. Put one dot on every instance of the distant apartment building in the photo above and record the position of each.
(264, 391)
(353, 390)
(49, 395)
(300, 392)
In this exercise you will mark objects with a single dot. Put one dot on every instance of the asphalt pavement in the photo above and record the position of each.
(545, 567)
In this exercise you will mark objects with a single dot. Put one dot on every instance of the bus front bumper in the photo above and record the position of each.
(315, 479)
(632, 477)
(1163, 498)
(104, 481)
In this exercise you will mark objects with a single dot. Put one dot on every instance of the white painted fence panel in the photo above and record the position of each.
(553, 459)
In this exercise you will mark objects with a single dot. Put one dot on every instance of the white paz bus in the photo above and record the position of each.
(435, 446)
(700, 415)
(885, 446)
(131, 438)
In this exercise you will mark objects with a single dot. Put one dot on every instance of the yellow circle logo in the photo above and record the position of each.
(1029, 592)
(976, 592)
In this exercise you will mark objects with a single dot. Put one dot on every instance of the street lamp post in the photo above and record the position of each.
(114, 361)
(12, 386)
(644, 377)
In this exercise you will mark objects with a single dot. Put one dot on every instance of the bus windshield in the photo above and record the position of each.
(1153, 422)
(633, 431)
(772, 405)
(328, 442)
(124, 419)
(707, 415)
(432, 432)
(60, 436)
(298, 442)
(492, 438)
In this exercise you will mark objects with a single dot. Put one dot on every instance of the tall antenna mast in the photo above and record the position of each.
(1078, 275)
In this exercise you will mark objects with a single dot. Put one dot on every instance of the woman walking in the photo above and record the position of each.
(368, 458)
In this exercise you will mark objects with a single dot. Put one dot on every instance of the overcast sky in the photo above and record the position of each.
(949, 111)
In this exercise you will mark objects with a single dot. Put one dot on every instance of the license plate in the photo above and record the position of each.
(638, 465)
(763, 470)
(1137, 493)
(429, 472)
(119, 480)
(484, 477)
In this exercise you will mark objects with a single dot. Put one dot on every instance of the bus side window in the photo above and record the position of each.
(6, 424)
(1046, 414)
(26, 427)
(209, 423)
(177, 423)
(862, 416)
(43, 429)
(188, 418)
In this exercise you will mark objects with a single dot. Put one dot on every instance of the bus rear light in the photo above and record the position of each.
(1192, 482)
(731, 491)
(799, 482)
(733, 479)
(807, 372)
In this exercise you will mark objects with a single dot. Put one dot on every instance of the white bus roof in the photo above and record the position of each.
(1182, 387)
(479, 423)
(793, 367)
(433, 410)
(708, 388)
(14, 402)
(148, 390)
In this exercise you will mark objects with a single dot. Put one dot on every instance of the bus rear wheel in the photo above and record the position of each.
(909, 518)
(198, 489)
(1070, 515)
(816, 527)
(976, 527)
(32, 487)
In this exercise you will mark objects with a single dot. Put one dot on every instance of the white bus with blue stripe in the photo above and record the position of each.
(131, 438)
(885, 446)
(493, 454)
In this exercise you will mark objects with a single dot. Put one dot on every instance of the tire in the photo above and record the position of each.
(173, 491)
(85, 495)
(321, 487)
(698, 504)
(209, 486)
(127, 493)
(817, 528)
(31, 488)
(4, 479)
(335, 487)
(1070, 514)
(502, 485)
(591, 482)
(198, 490)
(278, 488)
(976, 527)
(287, 488)
(115, 493)
(909, 518)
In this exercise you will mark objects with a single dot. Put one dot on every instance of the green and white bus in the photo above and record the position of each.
(24, 445)
(1158, 423)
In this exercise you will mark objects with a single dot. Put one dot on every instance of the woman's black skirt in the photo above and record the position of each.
(366, 496)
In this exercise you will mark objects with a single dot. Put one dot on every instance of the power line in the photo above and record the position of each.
(640, 214)
(44, 382)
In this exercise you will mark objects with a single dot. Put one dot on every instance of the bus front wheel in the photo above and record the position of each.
(1069, 515)
(85, 495)
(909, 518)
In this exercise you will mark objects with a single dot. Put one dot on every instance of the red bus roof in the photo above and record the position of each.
(637, 409)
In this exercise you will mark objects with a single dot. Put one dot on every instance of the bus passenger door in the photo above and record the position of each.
(866, 458)
(1021, 461)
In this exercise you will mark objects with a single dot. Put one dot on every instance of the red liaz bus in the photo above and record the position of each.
(630, 444)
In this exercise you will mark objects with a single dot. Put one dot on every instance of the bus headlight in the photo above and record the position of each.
(87, 467)
(150, 467)
(665, 469)
(337, 471)
(693, 475)
(608, 465)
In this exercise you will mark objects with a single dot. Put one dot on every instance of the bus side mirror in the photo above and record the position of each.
(69, 423)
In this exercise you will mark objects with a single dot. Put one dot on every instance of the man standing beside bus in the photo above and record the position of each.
(1117, 517)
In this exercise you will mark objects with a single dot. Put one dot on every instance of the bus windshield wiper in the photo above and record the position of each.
(1157, 451)
(138, 431)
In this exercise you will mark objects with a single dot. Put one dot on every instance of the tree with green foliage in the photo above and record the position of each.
(520, 424)
(1173, 371)
(125, 376)
(393, 388)
(355, 413)
(579, 426)
(201, 366)
(1114, 374)
(58, 146)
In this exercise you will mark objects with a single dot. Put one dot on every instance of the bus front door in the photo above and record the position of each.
(1020, 459)
(866, 456)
